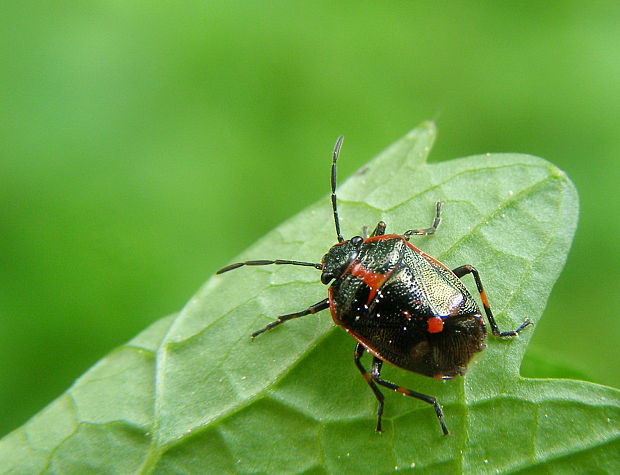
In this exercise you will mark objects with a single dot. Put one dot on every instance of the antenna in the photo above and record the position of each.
(334, 206)
(266, 263)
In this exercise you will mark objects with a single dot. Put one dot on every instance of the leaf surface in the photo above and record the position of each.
(192, 393)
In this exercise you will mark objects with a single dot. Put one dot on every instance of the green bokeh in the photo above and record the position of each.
(144, 144)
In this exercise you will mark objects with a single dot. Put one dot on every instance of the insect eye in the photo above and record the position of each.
(326, 277)
(357, 240)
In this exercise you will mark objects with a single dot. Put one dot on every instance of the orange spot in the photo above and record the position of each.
(484, 299)
(434, 325)
(406, 314)
(402, 391)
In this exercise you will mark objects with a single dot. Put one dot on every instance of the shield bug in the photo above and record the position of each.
(400, 304)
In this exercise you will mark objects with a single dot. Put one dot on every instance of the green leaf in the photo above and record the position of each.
(540, 364)
(192, 393)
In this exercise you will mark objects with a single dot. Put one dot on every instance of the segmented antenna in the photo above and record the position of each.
(263, 262)
(334, 206)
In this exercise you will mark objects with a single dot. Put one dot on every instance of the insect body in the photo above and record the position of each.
(400, 304)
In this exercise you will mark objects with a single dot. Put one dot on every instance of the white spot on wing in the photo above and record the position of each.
(455, 301)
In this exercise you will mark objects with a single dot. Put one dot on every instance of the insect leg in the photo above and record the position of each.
(379, 230)
(434, 226)
(357, 354)
(317, 307)
(464, 270)
(408, 392)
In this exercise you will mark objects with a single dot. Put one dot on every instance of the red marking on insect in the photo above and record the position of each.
(406, 314)
(374, 280)
(434, 325)
(383, 237)
(332, 306)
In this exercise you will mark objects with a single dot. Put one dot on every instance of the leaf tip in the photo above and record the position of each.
(427, 129)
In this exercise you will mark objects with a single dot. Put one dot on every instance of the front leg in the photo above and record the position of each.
(432, 229)
(379, 230)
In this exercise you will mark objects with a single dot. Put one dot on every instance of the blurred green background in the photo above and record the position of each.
(144, 144)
